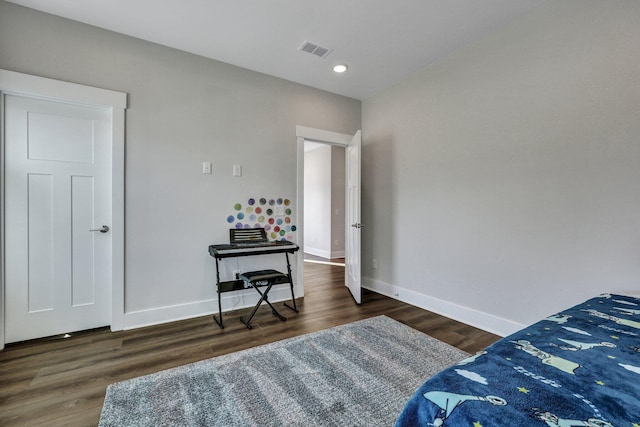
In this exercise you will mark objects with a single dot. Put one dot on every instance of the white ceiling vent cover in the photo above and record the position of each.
(314, 49)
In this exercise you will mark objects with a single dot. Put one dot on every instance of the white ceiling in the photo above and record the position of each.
(382, 41)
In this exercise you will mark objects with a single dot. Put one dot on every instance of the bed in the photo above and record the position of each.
(580, 367)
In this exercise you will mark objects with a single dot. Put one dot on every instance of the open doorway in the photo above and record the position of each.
(352, 145)
(324, 207)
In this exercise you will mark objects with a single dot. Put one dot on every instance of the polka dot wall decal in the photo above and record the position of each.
(260, 212)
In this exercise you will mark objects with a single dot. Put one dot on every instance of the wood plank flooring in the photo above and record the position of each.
(56, 381)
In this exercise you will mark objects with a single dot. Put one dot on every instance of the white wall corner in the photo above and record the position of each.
(490, 323)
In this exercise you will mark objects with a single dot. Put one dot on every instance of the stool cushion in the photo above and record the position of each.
(264, 277)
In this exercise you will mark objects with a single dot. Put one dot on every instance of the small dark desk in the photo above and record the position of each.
(222, 251)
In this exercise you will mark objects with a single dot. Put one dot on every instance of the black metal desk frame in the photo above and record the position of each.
(220, 252)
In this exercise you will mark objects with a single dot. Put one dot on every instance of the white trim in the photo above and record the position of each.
(117, 219)
(488, 322)
(230, 301)
(315, 261)
(317, 135)
(2, 233)
(323, 136)
(323, 253)
(43, 88)
(300, 209)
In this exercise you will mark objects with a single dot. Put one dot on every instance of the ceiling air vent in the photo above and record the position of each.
(314, 49)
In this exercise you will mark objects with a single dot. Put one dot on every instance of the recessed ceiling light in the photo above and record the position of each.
(340, 68)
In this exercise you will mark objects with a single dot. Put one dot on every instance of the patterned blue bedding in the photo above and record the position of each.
(580, 367)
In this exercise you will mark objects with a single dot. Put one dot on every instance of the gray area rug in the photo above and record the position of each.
(358, 374)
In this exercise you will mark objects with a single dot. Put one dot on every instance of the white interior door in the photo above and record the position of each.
(57, 188)
(353, 224)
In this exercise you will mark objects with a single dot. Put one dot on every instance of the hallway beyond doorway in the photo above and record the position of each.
(314, 259)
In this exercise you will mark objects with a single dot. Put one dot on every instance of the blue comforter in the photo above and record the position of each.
(580, 367)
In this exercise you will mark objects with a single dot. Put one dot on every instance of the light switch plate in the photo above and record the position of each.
(206, 167)
(237, 170)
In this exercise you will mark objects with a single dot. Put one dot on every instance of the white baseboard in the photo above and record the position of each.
(324, 254)
(317, 252)
(230, 301)
(248, 298)
(488, 322)
(337, 254)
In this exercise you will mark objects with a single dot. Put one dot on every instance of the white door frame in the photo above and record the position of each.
(353, 226)
(19, 84)
(315, 135)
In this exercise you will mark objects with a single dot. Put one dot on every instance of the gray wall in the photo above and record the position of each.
(324, 201)
(502, 183)
(183, 110)
(317, 201)
(499, 185)
(338, 187)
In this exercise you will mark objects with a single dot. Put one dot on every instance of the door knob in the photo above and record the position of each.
(103, 229)
(357, 225)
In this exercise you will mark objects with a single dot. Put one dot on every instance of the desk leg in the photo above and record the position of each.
(219, 322)
(293, 297)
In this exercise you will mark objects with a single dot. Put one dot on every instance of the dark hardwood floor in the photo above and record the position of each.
(58, 381)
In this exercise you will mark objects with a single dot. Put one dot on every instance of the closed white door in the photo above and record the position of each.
(57, 189)
(353, 225)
